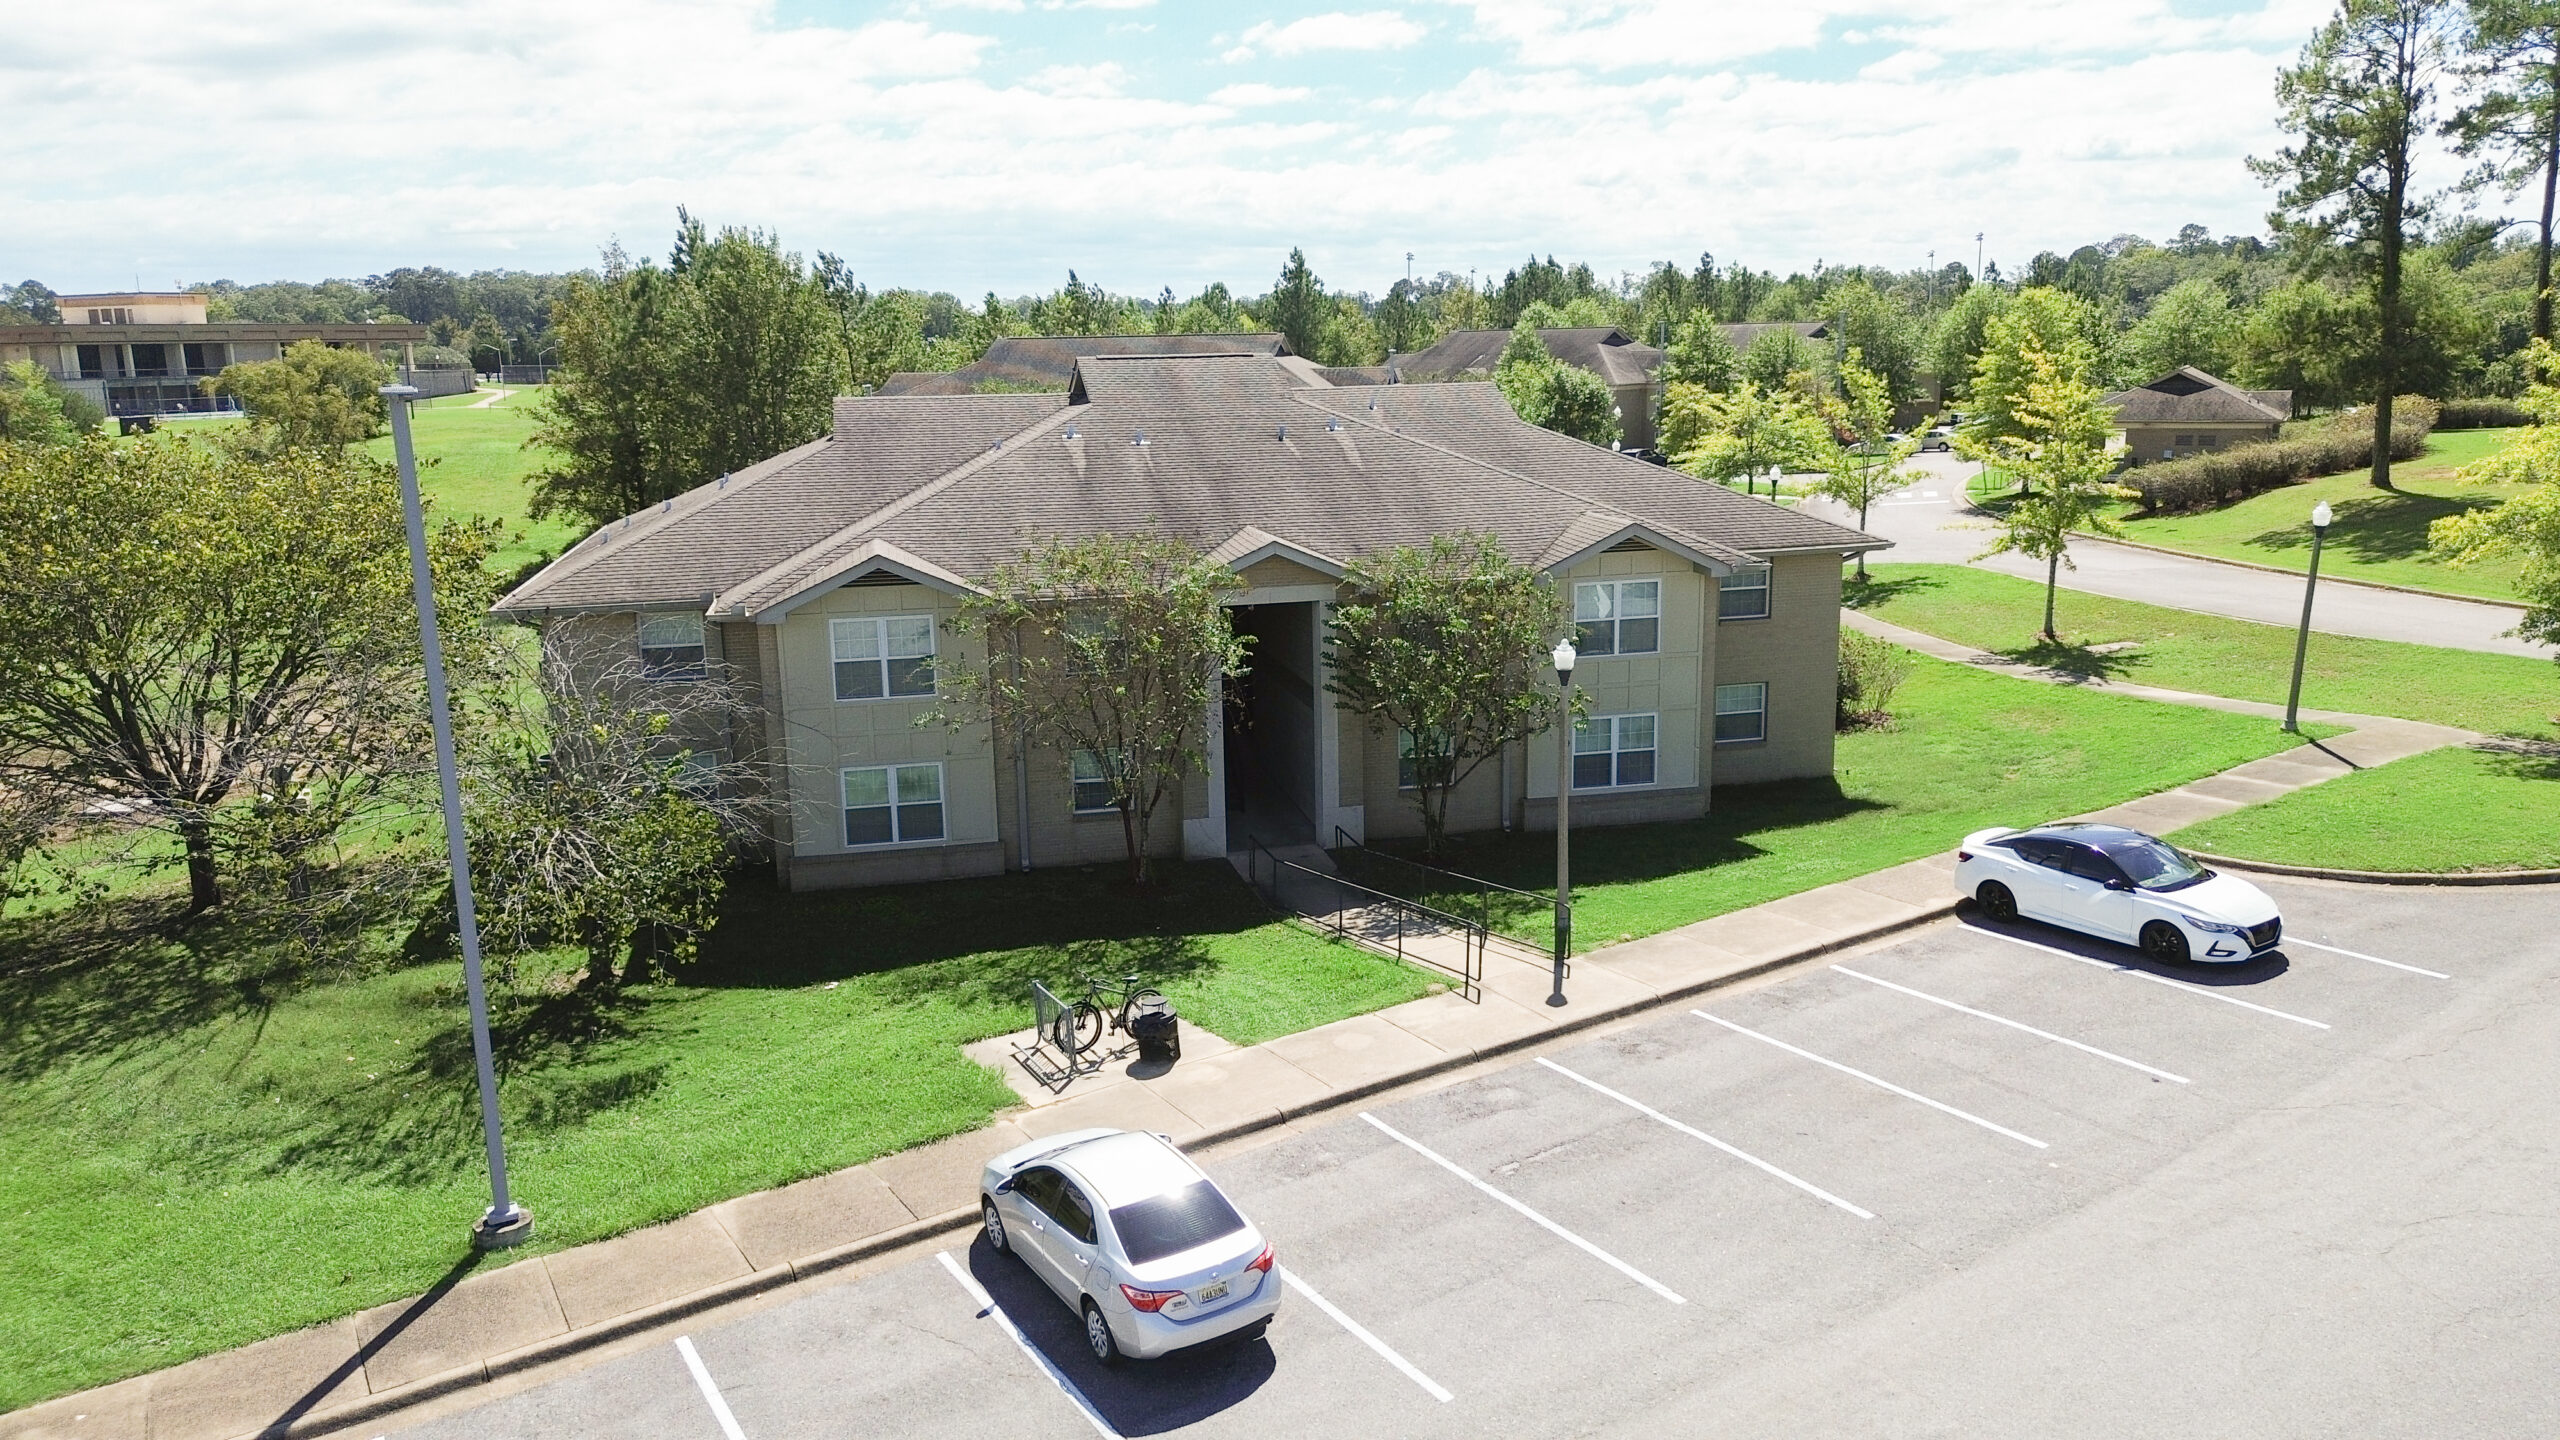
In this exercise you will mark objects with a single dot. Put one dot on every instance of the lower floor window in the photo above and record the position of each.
(892, 804)
(1410, 754)
(1742, 713)
(1092, 781)
(1612, 750)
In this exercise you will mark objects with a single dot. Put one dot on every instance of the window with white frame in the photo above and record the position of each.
(892, 804)
(1742, 713)
(1618, 617)
(671, 647)
(882, 657)
(1612, 750)
(1409, 753)
(1743, 595)
(1092, 781)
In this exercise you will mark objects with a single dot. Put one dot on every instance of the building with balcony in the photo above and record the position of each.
(146, 353)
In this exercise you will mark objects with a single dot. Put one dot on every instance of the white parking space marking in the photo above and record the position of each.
(1361, 1333)
(988, 1307)
(710, 1392)
(2014, 1025)
(2360, 955)
(1746, 1158)
(2156, 979)
(1965, 1115)
(1551, 1227)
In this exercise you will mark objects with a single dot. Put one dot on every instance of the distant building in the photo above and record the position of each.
(1022, 364)
(2187, 412)
(1741, 336)
(1628, 366)
(144, 352)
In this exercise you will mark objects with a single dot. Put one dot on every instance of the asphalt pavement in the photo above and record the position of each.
(1969, 1182)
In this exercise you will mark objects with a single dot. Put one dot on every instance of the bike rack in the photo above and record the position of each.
(1053, 1033)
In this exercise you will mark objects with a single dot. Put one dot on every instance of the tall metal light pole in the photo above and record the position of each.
(2302, 637)
(506, 1222)
(1564, 657)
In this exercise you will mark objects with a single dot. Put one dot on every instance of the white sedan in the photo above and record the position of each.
(1134, 1238)
(2118, 884)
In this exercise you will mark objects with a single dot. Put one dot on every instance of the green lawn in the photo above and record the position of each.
(2452, 809)
(472, 463)
(1967, 749)
(2378, 535)
(200, 1145)
(2496, 694)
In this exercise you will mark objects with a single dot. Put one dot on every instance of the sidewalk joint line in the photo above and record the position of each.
(2014, 1025)
(1745, 1157)
(1965, 1115)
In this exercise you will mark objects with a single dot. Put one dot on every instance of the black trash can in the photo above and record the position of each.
(1153, 1024)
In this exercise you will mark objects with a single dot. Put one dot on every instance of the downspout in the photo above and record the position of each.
(1021, 775)
(1506, 787)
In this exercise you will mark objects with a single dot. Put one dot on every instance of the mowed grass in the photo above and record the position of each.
(473, 464)
(1967, 749)
(2444, 810)
(200, 1145)
(2378, 535)
(2495, 694)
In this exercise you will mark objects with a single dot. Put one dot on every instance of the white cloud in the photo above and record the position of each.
(1250, 95)
(1333, 30)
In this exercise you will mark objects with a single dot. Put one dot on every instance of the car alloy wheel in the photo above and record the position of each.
(997, 1240)
(1996, 900)
(1097, 1334)
(2164, 942)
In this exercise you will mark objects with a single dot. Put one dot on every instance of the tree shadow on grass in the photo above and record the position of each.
(112, 982)
(1870, 593)
(2377, 527)
(2523, 759)
(2077, 664)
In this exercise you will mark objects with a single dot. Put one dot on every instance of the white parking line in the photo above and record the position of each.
(2155, 979)
(1872, 1080)
(710, 1392)
(988, 1307)
(2012, 1024)
(1552, 1228)
(1360, 1332)
(2360, 955)
(1642, 1108)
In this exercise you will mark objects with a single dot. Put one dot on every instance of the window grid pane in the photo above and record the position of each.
(1638, 599)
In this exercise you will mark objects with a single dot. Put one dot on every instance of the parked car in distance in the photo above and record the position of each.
(1134, 1238)
(2118, 884)
(1938, 437)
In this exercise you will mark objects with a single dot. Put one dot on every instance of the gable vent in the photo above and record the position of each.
(877, 577)
(1626, 545)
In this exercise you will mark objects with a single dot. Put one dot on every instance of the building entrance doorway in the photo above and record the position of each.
(1271, 715)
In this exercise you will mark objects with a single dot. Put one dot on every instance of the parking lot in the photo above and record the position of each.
(1976, 1181)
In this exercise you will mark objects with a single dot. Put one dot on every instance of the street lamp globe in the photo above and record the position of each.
(1564, 656)
(2321, 516)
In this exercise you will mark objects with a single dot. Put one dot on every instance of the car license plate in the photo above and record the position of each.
(1208, 1293)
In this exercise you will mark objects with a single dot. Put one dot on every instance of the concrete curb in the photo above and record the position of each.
(2516, 606)
(2387, 877)
(791, 1272)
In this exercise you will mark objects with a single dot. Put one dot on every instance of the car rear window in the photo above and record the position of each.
(1174, 1222)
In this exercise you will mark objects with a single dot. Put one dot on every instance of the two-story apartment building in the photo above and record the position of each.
(825, 580)
(145, 352)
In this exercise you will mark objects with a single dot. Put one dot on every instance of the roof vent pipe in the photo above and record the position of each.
(1284, 432)
(1138, 439)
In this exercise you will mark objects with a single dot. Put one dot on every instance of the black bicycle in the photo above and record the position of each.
(1103, 1005)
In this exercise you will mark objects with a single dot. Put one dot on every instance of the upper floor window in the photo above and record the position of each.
(1618, 617)
(671, 647)
(1613, 750)
(1743, 595)
(884, 657)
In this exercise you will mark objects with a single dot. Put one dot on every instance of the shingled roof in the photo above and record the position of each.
(1741, 336)
(2188, 396)
(1605, 351)
(1048, 362)
(1227, 453)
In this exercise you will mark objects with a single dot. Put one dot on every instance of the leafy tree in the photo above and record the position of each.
(178, 621)
(2360, 102)
(1297, 307)
(2527, 527)
(1781, 359)
(1867, 465)
(2057, 443)
(1956, 344)
(1548, 393)
(36, 411)
(2063, 327)
(1350, 338)
(1742, 433)
(1082, 309)
(313, 398)
(28, 303)
(2191, 324)
(1446, 643)
(1582, 312)
(1213, 311)
(1403, 323)
(2512, 57)
(1112, 645)
(2300, 337)
(1701, 354)
(1881, 328)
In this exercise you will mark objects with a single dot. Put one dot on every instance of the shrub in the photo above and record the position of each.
(2484, 414)
(2343, 442)
(1870, 671)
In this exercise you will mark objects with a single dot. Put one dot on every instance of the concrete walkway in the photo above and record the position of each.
(504, 1320)
(1931, 523)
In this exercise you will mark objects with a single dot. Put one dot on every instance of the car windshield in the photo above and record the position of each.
(1174, 1222)
(2153, 864)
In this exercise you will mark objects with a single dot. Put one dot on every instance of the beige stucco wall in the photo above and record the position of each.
(1669, 685)
(1796, 653)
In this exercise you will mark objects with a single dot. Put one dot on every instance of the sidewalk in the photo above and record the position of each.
(505, 1320)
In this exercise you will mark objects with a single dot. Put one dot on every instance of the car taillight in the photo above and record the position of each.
(1150, 1301)
(1263, 1261)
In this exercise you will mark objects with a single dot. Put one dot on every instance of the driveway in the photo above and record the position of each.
(1931, 523)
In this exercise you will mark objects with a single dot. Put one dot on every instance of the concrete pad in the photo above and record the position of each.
(1755, 934)
(816, 1214)
(1670, 961)
(243, 1391)
(996, 1053)
(1452, 1025)
(615, 1277)
(943, 1176)
(1841, 910)
(1592, 985)
(2237, 789)
(1359, 1051)
(1120, 1107)
(499, 1310)
(1236, 1087)
(1922, 882)
(110, 1412)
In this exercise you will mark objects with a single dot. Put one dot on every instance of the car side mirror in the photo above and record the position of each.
(1005, 1186)
(2119, 883)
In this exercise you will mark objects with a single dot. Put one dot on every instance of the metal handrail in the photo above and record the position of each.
(1473, 937)
(1345, 840)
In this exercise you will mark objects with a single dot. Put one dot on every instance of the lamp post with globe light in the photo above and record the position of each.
(2320, 517)
(1564, 657)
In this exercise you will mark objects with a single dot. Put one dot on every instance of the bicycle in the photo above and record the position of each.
(1081, 1027)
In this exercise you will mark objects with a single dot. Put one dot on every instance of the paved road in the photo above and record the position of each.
(1930, 523)
(2311, 1197)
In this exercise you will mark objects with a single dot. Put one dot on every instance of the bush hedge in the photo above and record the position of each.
(2491, 413)
(2344, 442)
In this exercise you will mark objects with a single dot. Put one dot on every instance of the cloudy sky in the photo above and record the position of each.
(976, 144)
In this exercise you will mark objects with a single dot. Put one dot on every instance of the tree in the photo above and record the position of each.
(1700, 354)
(314, 397)
(1548, 393)
(2525, 528)
(1957, 342)
(1297, 306)
(29, 303)
(180, 620)
(1778, 357)
(2361, 101)
(1881, 328)
(1446, 644)
(2058, 446)
(2191, 323)
(1402, 322)
(36, 411)
(1741, 434)
(1111, 646)
(2062, 326)
(2302, 337)
(2512, 58)
(1867, 466)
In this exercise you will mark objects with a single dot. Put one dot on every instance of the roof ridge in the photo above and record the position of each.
(580, 555)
